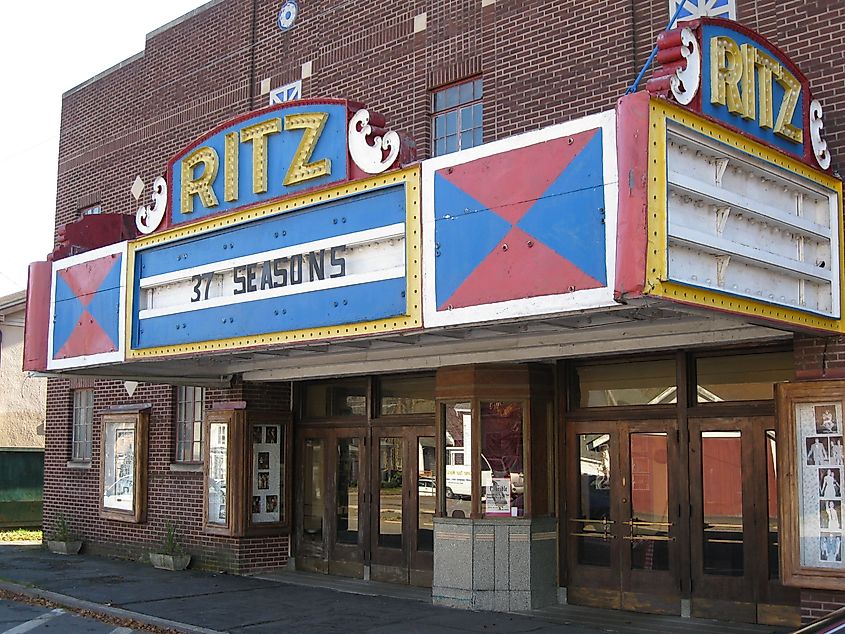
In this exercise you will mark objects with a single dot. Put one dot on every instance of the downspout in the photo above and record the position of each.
(252, 47)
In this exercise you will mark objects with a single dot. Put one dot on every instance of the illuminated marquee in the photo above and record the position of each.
(291, 237)
(278, 152)
(733, 75)
(339, 262)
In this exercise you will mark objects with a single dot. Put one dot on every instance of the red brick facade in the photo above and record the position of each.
(818, 603)
(172, 495)
(542, 61)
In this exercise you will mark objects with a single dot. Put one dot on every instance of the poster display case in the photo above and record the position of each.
(267, 445)
(811, 496)
(123, 465)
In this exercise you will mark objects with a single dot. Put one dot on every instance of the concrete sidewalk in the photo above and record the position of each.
(197, 602)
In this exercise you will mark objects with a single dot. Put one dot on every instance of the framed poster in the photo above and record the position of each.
(223, 467)
(268, 473)
(123, 465)
(809, 417)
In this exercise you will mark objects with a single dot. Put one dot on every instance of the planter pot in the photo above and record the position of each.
(64, 548)
(170, 562)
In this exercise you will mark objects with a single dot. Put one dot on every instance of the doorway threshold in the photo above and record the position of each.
(640, 623)
(348, 585)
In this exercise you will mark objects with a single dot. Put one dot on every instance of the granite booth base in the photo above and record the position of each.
(505, 565)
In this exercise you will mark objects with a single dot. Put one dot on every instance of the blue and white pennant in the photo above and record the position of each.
(693, 9)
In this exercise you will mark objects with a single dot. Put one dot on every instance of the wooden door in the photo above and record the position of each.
(390, 492)
(311, 535)
(622, 519)
(331, 519)
(734, 522)
(347, 503)
(403, 502)
(650, 512)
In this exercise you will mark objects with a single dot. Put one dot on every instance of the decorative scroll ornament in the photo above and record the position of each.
(149, 217)
(684, 83)
(819, 144)
(371, 158)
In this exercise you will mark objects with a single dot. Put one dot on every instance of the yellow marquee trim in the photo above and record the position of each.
(657, 277)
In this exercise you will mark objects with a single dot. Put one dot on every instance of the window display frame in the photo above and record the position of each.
(235, 486)
(800, 409)
(139, 420)
(478, 508)
(263, 420)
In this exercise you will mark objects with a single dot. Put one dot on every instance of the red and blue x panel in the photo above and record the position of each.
(524, 223)
(87, 308)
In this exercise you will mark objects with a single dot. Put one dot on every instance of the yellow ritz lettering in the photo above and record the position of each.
(756, 72)
(199, 169)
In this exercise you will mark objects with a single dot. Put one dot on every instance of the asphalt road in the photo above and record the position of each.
(17, 618)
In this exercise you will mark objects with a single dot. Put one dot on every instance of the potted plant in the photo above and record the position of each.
(63, 540)
(171, 556)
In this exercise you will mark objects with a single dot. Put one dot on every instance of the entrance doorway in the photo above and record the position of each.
(622, 524)
(366, 495)
(734, 519)
(670, 486)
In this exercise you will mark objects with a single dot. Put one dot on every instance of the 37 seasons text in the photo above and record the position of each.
(276, 273)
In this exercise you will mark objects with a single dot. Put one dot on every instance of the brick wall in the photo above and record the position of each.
(543, 62)
(819, 603)
(171, 496)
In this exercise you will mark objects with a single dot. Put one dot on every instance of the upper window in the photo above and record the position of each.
(333, 399)
(83, 417)
(626, 383)
(746, 377)
(406, 395)
(93, 210)
(458, 117)
(190, 403)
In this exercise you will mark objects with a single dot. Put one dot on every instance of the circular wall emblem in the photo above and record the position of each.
(287, 15)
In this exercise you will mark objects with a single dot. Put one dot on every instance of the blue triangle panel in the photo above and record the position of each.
(105, 309)
(569, 217)
(68, 310)
(105, 305)
(464, 238)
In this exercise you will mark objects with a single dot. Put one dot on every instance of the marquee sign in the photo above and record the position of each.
(88, 292)
(524, 226)
(734, 225)
(341, 262)
(277, 152)
(733, 75)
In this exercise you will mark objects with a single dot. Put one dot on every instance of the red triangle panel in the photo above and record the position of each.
(516, 273)
(87, 338)
(510, 182)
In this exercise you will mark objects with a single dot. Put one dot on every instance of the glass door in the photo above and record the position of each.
(389, 514)
(311, 533)
(622, 517)
(403, 503)
(734, 549)
(424, 498)
(650, 570)
(331, 512)
(722, 540)
(348, 548)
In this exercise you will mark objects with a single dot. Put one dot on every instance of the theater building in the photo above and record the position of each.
(419, 294)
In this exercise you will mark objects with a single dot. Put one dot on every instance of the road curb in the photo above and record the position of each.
(107, 610)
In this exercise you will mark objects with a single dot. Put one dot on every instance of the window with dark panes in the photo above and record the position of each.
(333, 399)
(458, 114)
(190, 403)
(83, 417)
